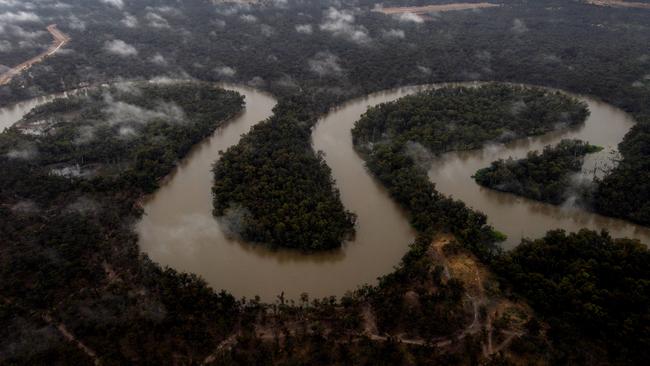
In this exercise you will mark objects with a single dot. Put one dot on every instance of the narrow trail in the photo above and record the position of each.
(71, 338)
(60, 40)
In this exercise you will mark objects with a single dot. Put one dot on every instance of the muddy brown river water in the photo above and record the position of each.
(178, 229)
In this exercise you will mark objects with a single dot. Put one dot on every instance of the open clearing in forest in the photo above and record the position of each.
(619, 4)
(424, 10)
(60, 40)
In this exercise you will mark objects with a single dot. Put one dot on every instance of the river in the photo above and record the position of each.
(178, 229)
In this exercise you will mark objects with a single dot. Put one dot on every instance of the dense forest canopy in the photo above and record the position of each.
(544, 177)
(272, 188)
(69, 258)
(462, 118)
(587, 285)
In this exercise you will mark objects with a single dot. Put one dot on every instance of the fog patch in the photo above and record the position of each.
(519, 27)
(225, 71)
(393, 34)
(233, 221)
(120, 48)
(304, 28)
(27, 206)
(116, 3)
(409, 18)
(126, 87)
(248, 18)
(5, 46)
(341, 23)
(119, 112)
(18, 17)
(580, 188)
(419, 154)
(287, 81)
(158, 59)
(257, 82)
(156, 20)
(84, 206)
(424, 70)
(267, 30)
(325, 64)
(129, 21)
(28, 152)
(85, 135)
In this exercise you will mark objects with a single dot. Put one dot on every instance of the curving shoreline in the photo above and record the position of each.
(178, 228)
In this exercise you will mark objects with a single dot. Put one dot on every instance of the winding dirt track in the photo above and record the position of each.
(60, 40)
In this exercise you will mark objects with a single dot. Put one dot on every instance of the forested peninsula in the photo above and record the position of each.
(272, 187)
(545, 177)
(464, 118)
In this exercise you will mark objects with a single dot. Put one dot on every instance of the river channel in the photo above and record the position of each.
(178, 229)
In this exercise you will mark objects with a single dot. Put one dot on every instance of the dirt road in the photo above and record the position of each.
(423, 10)
(60, 40)
(619, 4)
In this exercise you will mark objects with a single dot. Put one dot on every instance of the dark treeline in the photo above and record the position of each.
(273, 188)
(625, 191)
(587, 286)
(544, 177)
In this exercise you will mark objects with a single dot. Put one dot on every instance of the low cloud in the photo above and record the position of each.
(225, 71)
(393, 34)
(120, 48)
(159, 59)
(325, 64)
(130, 21)
(119, 113)
(5, 46)
(24, 153)
(304, 28)
(248, 18)
(409, 17)
(116, 3)
(519, 27)
(156, 20)
(341, 24)
(267, 30)
(18, 17)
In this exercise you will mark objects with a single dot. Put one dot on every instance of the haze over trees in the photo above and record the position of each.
(69, 255)
(544, 177)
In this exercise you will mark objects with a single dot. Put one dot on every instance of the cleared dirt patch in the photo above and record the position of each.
(423, 10)
(60, 40)
(619, 4)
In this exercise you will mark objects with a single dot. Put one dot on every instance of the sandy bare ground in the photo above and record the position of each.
(60, 40)
(423, 10)
(619, 4)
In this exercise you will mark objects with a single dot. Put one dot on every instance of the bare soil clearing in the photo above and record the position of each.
(60, 40)
(423, 10)
(619, 4)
